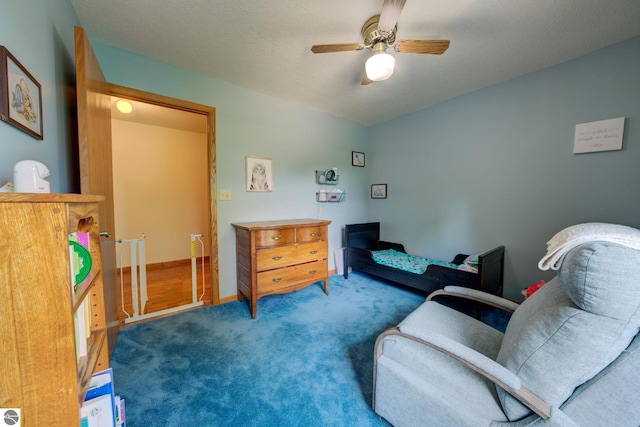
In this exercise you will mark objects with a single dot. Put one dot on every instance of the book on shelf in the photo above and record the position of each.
(99, 407)
(97, 412)
(81, 328)
(87, 318)
(82, 238)
(121, 419)
(79, 257)
(73, 267)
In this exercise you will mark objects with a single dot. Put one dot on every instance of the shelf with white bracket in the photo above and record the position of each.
(334, 196)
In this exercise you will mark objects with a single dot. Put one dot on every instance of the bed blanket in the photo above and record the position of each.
(406, 262)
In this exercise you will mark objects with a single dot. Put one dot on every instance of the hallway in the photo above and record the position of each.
(168, 286)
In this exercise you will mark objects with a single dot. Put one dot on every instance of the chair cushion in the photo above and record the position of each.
(588, 279)
(574, 326)
(611, 397)
(410, 378)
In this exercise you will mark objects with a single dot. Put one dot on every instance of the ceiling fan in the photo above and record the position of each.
(379, 34)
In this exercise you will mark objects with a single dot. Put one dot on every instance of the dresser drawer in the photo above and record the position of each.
(310, 234)
(268, 259)
(267, 238)
(273, 281)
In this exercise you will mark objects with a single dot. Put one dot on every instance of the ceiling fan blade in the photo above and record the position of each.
(365, 80)
(433, 47)
(342, 47)
(390, 13)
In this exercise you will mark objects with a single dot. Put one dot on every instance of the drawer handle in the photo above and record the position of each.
(276, 279)
(314, 234)
(276, 257)
(312, 271)
(313, 252)
(277, 237)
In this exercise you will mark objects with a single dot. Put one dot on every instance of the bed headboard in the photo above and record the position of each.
(363, 236)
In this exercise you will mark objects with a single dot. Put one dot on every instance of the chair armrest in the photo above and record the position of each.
(476, 361)
(476, 295)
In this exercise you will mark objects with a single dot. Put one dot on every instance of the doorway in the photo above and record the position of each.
(177, 272)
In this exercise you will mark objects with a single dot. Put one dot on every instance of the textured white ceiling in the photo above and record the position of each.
(265, 45)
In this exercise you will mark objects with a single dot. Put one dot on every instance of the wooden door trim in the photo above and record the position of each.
(210, 112)
(95, 166)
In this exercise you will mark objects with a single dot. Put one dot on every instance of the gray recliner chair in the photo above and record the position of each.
(570, 355)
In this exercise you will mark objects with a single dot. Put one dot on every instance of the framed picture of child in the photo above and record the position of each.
(378, 191)
(20, 96)
(259, 174)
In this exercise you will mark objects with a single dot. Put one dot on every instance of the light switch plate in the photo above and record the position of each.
(225, 194)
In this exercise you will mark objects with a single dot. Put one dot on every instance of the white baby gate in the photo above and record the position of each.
(139, 299)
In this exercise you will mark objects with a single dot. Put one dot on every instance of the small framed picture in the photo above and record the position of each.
(378, 191)
(357, 159)
(20, 96)
(259, 174)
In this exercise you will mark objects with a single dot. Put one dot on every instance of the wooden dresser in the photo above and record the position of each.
(277, 257)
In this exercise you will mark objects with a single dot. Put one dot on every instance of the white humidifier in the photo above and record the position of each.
(29, 177)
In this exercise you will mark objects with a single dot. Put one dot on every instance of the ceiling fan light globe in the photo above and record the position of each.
(380, 66)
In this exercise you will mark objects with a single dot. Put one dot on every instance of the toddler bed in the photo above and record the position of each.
(363, 246)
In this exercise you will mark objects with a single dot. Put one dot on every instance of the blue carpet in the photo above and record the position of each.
(306, 360)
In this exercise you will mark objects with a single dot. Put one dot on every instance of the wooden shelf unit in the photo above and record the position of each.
(40, 371)
(277, 257)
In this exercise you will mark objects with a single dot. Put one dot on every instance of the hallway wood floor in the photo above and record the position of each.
(168, 286)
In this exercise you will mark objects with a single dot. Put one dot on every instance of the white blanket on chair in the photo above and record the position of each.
(573, 236)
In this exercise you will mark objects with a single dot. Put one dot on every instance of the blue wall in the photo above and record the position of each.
(39, 33)
(297, 139)
(491, 167)
(497, 166)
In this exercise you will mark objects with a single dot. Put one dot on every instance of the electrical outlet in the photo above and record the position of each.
(225, 194)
